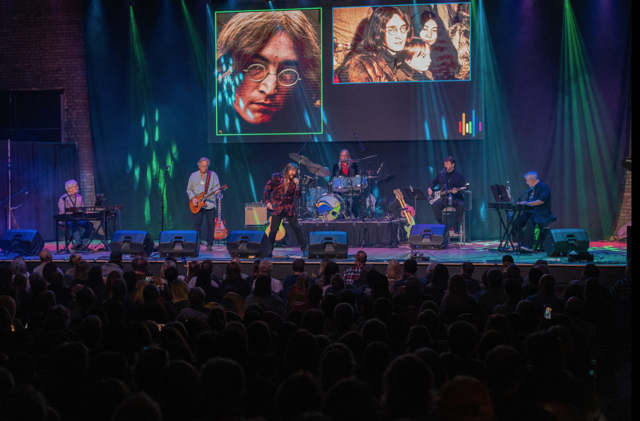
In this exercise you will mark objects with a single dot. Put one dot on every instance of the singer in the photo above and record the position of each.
(279, 194)
(450, 180)
(539, 196)
(72, 199)
(202, 181)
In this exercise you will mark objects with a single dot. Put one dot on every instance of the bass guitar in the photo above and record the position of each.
(220, 231)
(202, 197)
(438, 194)
(410, 221)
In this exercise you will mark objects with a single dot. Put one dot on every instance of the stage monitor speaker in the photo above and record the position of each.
(22, 242)
(560, 242)
(179, 243)
(253, 244)
(328, 244)
(132, 242)
(428, 236)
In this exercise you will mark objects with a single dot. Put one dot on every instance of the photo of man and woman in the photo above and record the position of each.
(409, 43)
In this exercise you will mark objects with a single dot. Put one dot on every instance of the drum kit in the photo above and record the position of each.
(336, 201)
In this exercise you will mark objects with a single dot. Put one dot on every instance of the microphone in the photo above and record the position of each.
(444, 169)
(381, 165)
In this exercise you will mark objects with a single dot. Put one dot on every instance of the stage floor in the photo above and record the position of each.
(477, 252)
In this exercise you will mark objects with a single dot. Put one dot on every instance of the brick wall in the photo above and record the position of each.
(41, 48)
(624, 213)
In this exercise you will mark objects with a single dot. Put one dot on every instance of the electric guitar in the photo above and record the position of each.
(202, 197)
(438, 194)
(281, 232)
(410, 221)
(220, 230)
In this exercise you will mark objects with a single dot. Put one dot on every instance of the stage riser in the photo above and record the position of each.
(562, 273)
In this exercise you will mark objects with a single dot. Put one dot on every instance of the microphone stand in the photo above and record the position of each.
(298, 207)
(523, 194)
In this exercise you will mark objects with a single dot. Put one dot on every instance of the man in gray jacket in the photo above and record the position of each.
(204, 181)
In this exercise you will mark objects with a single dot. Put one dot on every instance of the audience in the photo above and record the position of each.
(429, 352)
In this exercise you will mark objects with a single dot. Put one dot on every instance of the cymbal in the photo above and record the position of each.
(300, 158)
(319, 170)
(387, 178)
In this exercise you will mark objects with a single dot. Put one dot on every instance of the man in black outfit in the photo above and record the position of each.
(449, 180)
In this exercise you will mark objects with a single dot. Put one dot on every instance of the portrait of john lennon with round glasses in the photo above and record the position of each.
(268, 72)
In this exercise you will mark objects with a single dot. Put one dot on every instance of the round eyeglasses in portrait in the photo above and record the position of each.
(258, 72)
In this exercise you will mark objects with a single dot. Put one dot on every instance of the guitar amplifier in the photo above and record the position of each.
(255, 213)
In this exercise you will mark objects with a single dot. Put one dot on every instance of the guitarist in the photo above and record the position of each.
(280, 194)
(201, 181)
(451, 180)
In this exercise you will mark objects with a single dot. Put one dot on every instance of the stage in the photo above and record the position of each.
(609, 256)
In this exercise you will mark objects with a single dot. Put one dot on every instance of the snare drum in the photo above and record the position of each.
(330, 207)
(340, 184)
(358, 182)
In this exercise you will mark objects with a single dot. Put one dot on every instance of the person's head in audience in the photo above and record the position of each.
(138, 407)
(9, 303)
(573, 290)
(336, 363)
(119, 289)
(222, 384)
(545, 353)
(298, 394)
(413, 285)
(408, 389)
(461, 339)
(24, 403)
(302, 283)
(313, 321)
(74, 259)
(207, 266)
(507, 260)
(255, 266)
(503, 372)
(171, 274)
(38, 284)
(394, 271)
(465, 399)
(20, 281)
(45, 256)
(19, 266)
(457, 286)
(328, 305)
(374, 330)
(351, 400)
(337, 283)
(467, 269)
(513, 289)
(56, 279)
(266, 267)
(573, 307)
(440, 278)
(547, 284)
(535, 273)
(494, 279)
(298, 266)
(592, 295)
(418, 338)
(50, 268)
(330, 269)
(410, 267)
(140, 266)
(179, 291)
(315, 295)
(590, 271)
(361, 257)
(382, 309)
(233, 271)
(196, 297)
(513, 272)
(262, 287)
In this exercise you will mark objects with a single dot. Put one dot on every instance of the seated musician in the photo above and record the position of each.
(346, 168)
(72, 199)
(452, 180)
(539, 196)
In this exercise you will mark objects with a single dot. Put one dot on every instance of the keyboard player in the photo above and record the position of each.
(538, 196)
(71, 199)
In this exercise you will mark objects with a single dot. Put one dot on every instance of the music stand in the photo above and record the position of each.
(415, 194)
(501, 193)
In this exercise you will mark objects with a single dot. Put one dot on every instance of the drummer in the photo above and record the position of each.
(347, 168)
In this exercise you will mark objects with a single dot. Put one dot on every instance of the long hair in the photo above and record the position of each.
(246, 33)
(289, 166)
(375, 32)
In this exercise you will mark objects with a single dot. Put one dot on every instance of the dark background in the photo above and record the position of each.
(554, 88)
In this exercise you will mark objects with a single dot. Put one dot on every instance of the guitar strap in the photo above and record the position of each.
(206, 184)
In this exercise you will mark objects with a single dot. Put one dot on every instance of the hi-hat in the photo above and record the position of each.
(300, 158)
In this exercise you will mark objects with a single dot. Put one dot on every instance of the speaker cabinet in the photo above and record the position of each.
(560, 242)
(132, 242)
(179, 243)
(255, 214)
(327, 244)
(428, 236)
(22, 242)
(253, 244)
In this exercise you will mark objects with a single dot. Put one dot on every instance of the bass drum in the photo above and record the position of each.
(330, 207)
